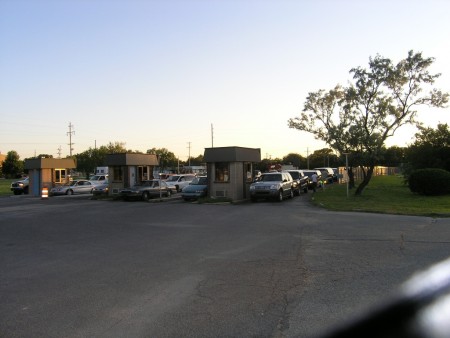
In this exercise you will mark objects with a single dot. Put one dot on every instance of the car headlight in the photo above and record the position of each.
(274, 187)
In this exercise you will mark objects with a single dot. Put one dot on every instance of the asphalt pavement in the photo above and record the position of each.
(76, 267)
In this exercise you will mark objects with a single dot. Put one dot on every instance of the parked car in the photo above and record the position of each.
(309, 173)
(277, 185)
(301, 180)
(20, 187)
(101, 189)
(178, 182)
(98, 179)
(196, 189)
(146, 190)
(73, 187)
(327, 174)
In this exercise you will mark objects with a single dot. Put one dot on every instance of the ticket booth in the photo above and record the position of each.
(230, 171)
(48, 172)
(128, 169)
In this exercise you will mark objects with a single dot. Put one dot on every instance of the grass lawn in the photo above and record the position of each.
(384, 194)
(5, 186)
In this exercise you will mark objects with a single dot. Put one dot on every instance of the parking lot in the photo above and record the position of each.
(76, 267)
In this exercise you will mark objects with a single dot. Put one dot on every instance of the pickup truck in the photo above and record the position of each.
(20, 187)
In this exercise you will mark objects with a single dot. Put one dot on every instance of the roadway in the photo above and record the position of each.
(75, 267)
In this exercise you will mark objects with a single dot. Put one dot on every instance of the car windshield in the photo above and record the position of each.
(96, 178)
(173, 178)
(199, 181)
(271, 178)
(295, 174)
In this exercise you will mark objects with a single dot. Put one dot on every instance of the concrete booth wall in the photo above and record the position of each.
(127, 169)
(48, 172)
(230, 171)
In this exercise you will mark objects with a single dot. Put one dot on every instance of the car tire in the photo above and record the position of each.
(145, 196)
(253, 199)
(69, 192)
(291, 194)
(177, 188)
(280, 196)
(305, 190)
(169, 192)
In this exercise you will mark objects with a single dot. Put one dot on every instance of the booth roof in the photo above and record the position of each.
(49, 163)
(131, 159)
(232, 154)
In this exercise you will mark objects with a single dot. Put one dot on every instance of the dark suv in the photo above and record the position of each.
(272, 185)
(301, 180)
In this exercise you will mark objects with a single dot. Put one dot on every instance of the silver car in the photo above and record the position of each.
(274, 185)
(74, 187)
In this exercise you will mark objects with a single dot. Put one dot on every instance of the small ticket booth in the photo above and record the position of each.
(230, 171)
(48, 172)
(128, 169)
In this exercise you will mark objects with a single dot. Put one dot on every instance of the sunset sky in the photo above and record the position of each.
(164, 74)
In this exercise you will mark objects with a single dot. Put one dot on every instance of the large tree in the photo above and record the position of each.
(12, 166)
(88, 160)
(323, 158)
(296, 160)
(167, 159)
(359, 118)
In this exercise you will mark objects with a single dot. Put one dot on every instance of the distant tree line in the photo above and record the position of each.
(430, 149)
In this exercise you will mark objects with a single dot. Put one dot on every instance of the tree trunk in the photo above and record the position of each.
(366, 180)
(351, 178)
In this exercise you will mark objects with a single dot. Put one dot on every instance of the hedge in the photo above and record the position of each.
(430, 182)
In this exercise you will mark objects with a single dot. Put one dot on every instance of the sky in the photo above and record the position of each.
(188, 75)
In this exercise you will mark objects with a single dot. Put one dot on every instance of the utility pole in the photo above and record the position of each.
(212, 136)
(59, 151)
(70, 133)
(346, 169)
(189, 158)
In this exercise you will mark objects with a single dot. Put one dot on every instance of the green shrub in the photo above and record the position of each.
(430, 182)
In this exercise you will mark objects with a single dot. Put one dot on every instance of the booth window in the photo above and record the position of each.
(222, 172)
(248, 171)
(60, 175)
(118, 174)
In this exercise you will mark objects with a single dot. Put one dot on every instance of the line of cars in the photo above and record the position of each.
(190, 186)
(279, 185)
(70, 188)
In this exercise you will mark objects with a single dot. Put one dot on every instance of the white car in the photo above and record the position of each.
(98, 179)
(178, 182)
